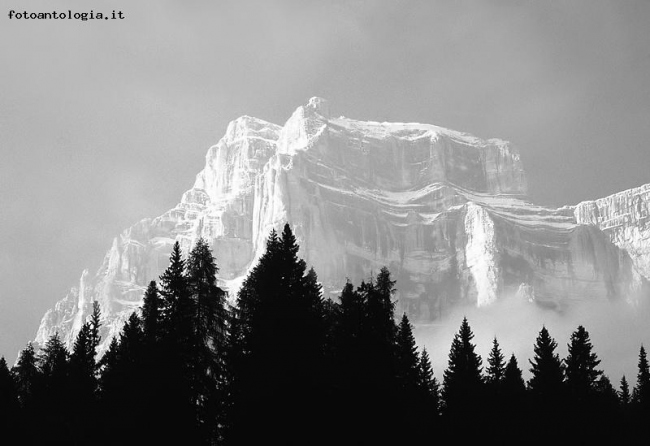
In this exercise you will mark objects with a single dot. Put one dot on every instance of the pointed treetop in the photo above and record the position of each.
(624, 393)
(407, 349)
(641, 394)
(546, 367)
(427, 383)
(151, 311)
(289, 240)
(581, 363)
(513, 382)
(496, 365)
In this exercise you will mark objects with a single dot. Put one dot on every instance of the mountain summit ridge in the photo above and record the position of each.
(444, 210)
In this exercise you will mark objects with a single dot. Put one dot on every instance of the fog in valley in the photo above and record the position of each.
(617, 330)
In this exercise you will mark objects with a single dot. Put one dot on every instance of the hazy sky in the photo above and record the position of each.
(107, 122)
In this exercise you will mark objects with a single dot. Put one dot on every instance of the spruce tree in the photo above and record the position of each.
(462, 384)
(407, 358)
(410, 397)
(581, 363)
(82, 359)
(419, 409)
(495, 372)
(378, 335)
(547, 389)
(348, 329)
(428, 386)
(280, 329)
(83, 382)
(131, 342)
(209, 339)
(125, 387)
(52, 392)
(496, 366)
(173, 288)
(109, 366)
(380, 307)
(348, 358)
(513, 382)
(547, 369)
(26, 375)
(177, 339)
(27, 378)
(151, 313)
(95, 324)
(624, 393)
(512, 404)
(209, 300)
(53, 363)
(641, 393)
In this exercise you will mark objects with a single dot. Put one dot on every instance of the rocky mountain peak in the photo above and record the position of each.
(442, 209)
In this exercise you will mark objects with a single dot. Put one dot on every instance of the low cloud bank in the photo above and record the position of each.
(616, 329)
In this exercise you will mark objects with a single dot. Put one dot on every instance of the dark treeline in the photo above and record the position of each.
(286, 365)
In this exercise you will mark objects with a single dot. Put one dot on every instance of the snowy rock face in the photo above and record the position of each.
(443, 210)
(625, 218)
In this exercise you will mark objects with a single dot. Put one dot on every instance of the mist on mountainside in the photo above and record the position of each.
(616, 328)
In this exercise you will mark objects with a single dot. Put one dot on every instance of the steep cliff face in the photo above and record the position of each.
(625, 218)
(442, 209)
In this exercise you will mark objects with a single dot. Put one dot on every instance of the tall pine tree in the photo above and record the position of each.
(546, 386)
(496, 366)
(209, 340)
(641, 393)
(624, 393)
(581, 362)
(279, 321)
(428, 385)
(513, 382)
(408, 358)
(83, 378)
(151, 313)
(26, 374)
(52, 392)
(462, 384)
(173, 289)
(547, 381)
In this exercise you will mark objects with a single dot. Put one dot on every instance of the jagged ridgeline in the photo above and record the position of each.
(444, 210)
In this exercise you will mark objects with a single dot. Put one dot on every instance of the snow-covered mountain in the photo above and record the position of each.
(444, 210)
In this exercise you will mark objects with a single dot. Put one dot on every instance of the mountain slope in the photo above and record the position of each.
(444, 210)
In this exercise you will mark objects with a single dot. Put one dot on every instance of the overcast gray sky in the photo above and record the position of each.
(107, 122)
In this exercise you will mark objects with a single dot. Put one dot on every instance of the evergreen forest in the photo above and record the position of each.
(284, 365)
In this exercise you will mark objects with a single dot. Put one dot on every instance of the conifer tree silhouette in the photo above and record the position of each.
(641, 392)
(427, 402)
(462, 383)
(546, 385)
(26, 374)
(624, 393)
(209, 340)
(496, 366)
(547, 381)
(513, 382)
(408, 359)
(581, 372)
(281, 333)
(151, 313)
(52, 391)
